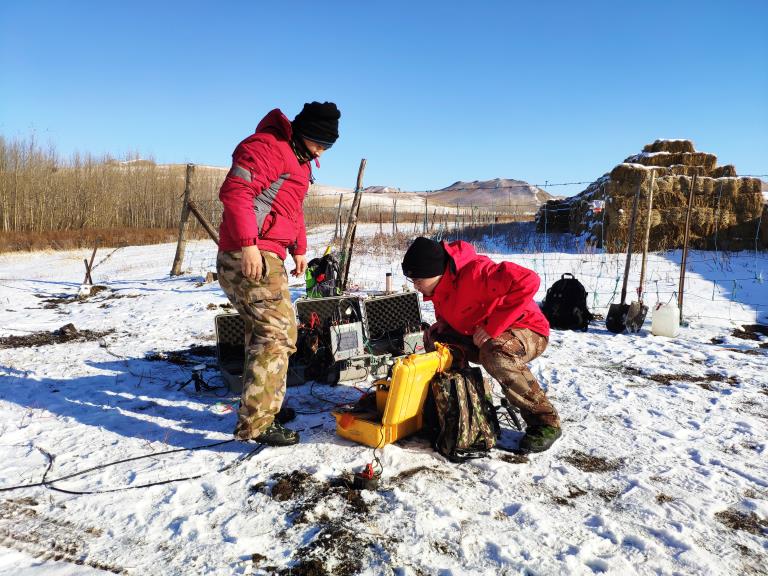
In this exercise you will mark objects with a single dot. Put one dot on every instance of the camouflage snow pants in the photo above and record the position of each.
(505, 358)
(270, 337)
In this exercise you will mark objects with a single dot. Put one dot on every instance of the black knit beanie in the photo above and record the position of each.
(424, 258)
(318, 122)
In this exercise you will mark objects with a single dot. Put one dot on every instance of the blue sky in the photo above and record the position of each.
(430, 92)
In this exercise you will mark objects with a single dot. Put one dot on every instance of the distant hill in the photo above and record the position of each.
(498, 192)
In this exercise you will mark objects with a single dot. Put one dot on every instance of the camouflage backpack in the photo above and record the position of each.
(467, 422)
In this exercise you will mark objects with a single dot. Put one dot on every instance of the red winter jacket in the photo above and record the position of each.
(478, 292)
(264, 192)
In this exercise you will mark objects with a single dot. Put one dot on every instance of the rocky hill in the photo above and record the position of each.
(488, 193)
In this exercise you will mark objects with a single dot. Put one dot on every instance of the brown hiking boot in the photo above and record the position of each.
(539, 438)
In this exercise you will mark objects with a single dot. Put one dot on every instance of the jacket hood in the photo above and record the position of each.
(276, 123)
(460, 252)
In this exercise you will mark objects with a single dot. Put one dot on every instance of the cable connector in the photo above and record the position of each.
(367, 479)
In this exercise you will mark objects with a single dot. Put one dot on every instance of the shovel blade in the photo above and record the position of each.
(636, 316)
(616, 321)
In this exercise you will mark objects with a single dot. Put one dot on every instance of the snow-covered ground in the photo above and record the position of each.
(662, 468)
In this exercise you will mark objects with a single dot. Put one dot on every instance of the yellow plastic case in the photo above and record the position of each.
(399, 401)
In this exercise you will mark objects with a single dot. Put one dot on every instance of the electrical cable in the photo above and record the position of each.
(49, 483)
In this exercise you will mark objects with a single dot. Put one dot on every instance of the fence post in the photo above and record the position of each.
(337, 231)
(181, 245)
(456, 222)
(348, 245)
(394, 215)
(685, 248)
(717, 215)
(203, 221)
(641, 284)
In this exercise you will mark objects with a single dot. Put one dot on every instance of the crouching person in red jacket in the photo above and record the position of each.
(263, 219)
(486, 312)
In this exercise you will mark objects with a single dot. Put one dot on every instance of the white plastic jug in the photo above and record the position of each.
(665, 320)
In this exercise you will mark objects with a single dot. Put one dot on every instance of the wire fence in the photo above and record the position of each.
(726, 286)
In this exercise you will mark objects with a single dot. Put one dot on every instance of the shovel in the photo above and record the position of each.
(637, 310)
(616, 321)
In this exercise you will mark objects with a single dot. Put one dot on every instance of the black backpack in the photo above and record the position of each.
(460, 407)
(565, 304)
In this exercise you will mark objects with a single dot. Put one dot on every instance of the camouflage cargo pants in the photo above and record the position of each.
(505, 358)
(270, 337)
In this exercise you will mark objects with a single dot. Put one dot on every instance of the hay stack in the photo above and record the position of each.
(553, 216)
(764, 227)
(726, 209)
(670, 146)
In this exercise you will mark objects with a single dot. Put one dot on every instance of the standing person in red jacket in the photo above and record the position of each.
(263, 218)
(486, 312)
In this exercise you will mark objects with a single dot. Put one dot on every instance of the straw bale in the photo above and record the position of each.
(631, 173)
(704, 161)
(727, 171)
(670, 146)
(553, 216)
(705, 186)
(683, 170)
(703, 221)
(726, 210)
(662, 189)
(668, 193)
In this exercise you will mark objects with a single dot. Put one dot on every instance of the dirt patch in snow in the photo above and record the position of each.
(332, 546)
(702, 381)
(573, 492)
(748, 522)
(750, 332)
(293, 485)
(185, 357)
(50, 303)
(513, 458)
(67, 333)
(401, 477)
(336, 550)
(24, 528)
(588, 463)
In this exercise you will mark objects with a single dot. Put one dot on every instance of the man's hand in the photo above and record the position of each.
(251, 265)
(432, 333)
(480, 337)
(301, 265)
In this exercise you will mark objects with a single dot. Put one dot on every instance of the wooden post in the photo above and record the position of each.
(89, 266)
(381, 222)
(641, 286)
(426, 214)
(685, 249)
(630, 239)
(178, 259)
(349, 235)
(203, 221)
(394, 216)
(456, 220)
(337, 231)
